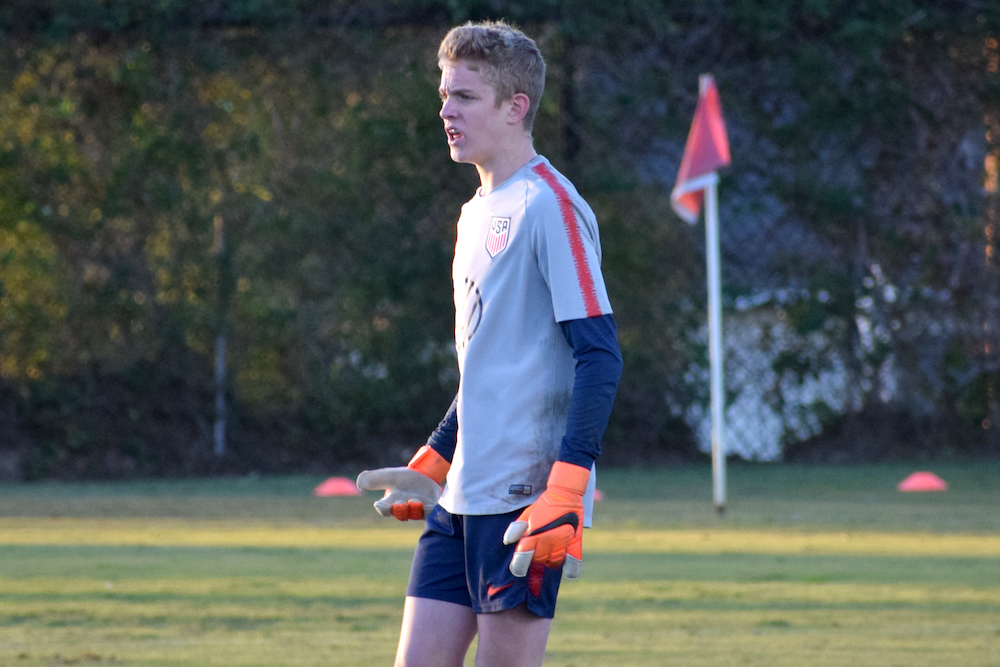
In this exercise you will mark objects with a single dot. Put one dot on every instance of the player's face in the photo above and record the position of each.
(475, 126)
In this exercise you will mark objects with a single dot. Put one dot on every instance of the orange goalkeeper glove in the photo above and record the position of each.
(550, 531)
(410, 492)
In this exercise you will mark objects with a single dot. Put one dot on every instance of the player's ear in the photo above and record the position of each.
(519, 105)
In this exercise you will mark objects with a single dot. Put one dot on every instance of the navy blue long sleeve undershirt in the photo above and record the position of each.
(598, 368)
(445, 437)
(594, 341)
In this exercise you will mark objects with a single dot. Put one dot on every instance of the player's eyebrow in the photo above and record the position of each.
(443, 91)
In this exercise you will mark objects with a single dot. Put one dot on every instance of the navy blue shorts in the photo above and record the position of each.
(462, 559)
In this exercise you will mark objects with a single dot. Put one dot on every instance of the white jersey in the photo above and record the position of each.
(527, 257)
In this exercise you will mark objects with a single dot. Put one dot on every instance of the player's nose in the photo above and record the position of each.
(447, 109)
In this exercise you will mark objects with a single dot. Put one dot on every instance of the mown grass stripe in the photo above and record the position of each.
(181, 532)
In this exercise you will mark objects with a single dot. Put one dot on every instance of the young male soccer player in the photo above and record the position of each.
(539, 366)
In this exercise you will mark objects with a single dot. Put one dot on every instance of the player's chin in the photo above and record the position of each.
(459, 154)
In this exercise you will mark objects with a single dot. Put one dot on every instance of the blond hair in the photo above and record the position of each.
(507, 59)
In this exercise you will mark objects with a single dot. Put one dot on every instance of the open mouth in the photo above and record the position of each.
(453, 135)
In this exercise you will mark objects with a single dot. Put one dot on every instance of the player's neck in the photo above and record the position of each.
(506, 162)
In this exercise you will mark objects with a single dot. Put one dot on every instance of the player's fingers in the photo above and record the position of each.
(558, 556)
(387, 503)
(412, 510)
(381, 478)
(575, 547)
(404, 480)
(416, 510)
(384, 505)
(393, 497)
(400, 511)
(520, 563)
(515, 531)
(550, 547)
(573, 567)
(574, 556)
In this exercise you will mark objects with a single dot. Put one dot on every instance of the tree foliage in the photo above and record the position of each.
(173, 171)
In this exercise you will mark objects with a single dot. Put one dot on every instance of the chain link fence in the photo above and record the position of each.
(885, 358)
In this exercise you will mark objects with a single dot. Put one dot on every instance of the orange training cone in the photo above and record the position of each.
(337, 486)
(923, 481)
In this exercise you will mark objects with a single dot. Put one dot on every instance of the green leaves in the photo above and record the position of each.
(171, 170)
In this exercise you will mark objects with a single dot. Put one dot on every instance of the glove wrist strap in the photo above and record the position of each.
(569, 476)
(428, 462)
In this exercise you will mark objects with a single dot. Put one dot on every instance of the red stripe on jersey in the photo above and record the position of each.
(583, 275)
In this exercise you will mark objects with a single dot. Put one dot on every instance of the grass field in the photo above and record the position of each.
(808, 566)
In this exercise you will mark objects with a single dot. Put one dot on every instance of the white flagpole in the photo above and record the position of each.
(718, 396)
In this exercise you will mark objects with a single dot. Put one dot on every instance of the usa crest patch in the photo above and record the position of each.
(496, 240)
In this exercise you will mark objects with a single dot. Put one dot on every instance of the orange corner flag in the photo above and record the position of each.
(706, 151)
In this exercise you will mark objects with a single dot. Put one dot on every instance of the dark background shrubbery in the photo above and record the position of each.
(274, 173)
